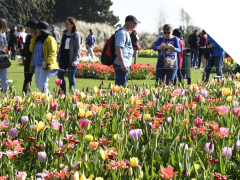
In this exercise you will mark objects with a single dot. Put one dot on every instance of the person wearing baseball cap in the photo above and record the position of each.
(27, 54)
(124, 50)
(44, 48)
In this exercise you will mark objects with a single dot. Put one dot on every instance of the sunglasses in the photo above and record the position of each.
(166, 32)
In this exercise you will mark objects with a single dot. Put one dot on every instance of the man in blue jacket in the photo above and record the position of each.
(216, 59)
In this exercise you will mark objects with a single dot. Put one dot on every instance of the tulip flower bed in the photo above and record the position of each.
(99, 71)
(228, 65)
(147, 53)
(189, 131)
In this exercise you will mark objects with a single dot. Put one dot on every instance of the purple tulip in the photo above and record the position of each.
(184, 98)
(209, 147)
(42, 156)
(236, 104)
(169, 119)
(238, 145)
(185, 146)
(227, 151)
(135, 133)
(84, 122)
(60, 144)
(60, 128)
(204, 93)
(24, 119)
(183, 93)
(13, 132)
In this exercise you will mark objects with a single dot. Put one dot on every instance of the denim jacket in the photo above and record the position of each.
(74, 49)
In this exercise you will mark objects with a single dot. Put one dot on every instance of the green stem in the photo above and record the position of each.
(152, 162)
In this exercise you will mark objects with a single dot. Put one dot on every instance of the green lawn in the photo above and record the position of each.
(15, 73)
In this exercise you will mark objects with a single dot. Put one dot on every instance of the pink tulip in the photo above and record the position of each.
(222, 110)
(198, 98)
(55, 124)
(58, 82)
(1, 153)
(54, 106)
(84, 122)
(21, 175)
(236, 111)
(224, 132)
(198, 122)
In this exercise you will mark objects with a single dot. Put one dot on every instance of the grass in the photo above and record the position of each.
(15, 73)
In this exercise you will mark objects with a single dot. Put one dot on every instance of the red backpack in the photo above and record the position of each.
(108, 55)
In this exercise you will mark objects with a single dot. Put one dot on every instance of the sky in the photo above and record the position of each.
(146, 12)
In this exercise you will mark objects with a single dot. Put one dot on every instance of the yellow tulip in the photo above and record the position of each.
(134, 162)
(49, 116)
(40, 125)
(83, 177)
(229, 98)
(89, 138)
(99, 178)
(81, 112)
(103, 154)
(147, 117)
(93, 146)
(116, 136)
(83, 95)
(75, 176)
(88, 113)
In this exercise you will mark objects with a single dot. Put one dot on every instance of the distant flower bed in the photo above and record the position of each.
(148, 53)
(99, 71)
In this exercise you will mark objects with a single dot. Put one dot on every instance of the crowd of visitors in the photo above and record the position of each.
(39, 52)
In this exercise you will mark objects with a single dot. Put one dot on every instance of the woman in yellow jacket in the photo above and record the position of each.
(44, 48)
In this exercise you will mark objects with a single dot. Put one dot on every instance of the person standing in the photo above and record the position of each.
(23, 34)
(124, 51)
(55, 34)
(216, 58)
(44, 49)
(134, 39)
(3, 45)
(13, 41)
(202, 47)
(27, 54)
(169, 44)
(90, 43)
(178, 33)
(69, 52)
(193, 39)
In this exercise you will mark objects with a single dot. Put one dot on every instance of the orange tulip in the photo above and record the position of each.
(167, 173)
(93, 146)
(185, 122)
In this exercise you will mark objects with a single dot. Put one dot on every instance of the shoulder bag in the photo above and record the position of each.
(4, 61)
(168, 61)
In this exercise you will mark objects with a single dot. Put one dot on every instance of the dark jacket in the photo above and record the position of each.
(13, 38)
(75, 47)
(193, 41)
(56, 35)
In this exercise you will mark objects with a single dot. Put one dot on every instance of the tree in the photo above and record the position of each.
(86, 10)
(161, 17)
(19, 11)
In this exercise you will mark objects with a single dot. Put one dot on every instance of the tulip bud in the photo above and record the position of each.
(220, 93)
(102, 82)
(137, 88)
(60, 128)
(87, 90)
(130, 171)
(185, 173)
(111, 92)
(100, 87)
(85, 157)
(16, 107)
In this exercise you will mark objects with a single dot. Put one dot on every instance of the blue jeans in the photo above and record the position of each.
(160, 72)
(14, 52)
(193, 53)
(41, 79)
(218, 62)
(3, 77)
(65, 64)
(121, 76)
(180, 77)
(237, 69)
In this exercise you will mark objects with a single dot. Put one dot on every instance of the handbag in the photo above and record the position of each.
(4, 62)
(137, 46)
(168, 62)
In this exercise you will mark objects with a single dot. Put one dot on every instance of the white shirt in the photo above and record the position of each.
(24, 35)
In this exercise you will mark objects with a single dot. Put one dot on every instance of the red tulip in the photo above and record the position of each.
(58, 82)
(54, 106)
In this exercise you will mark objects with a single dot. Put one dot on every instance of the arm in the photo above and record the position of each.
(32, 44)
(120, 39)
(120, 57)
(77, 51)
(177, 45)
(60, 49)
(155, 48)
(52, 49)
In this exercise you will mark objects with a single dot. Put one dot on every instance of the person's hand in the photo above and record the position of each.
(49, 68)
(209, 46)
(123, 68)
(162, 46)
(172, 48)
(74, 64)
